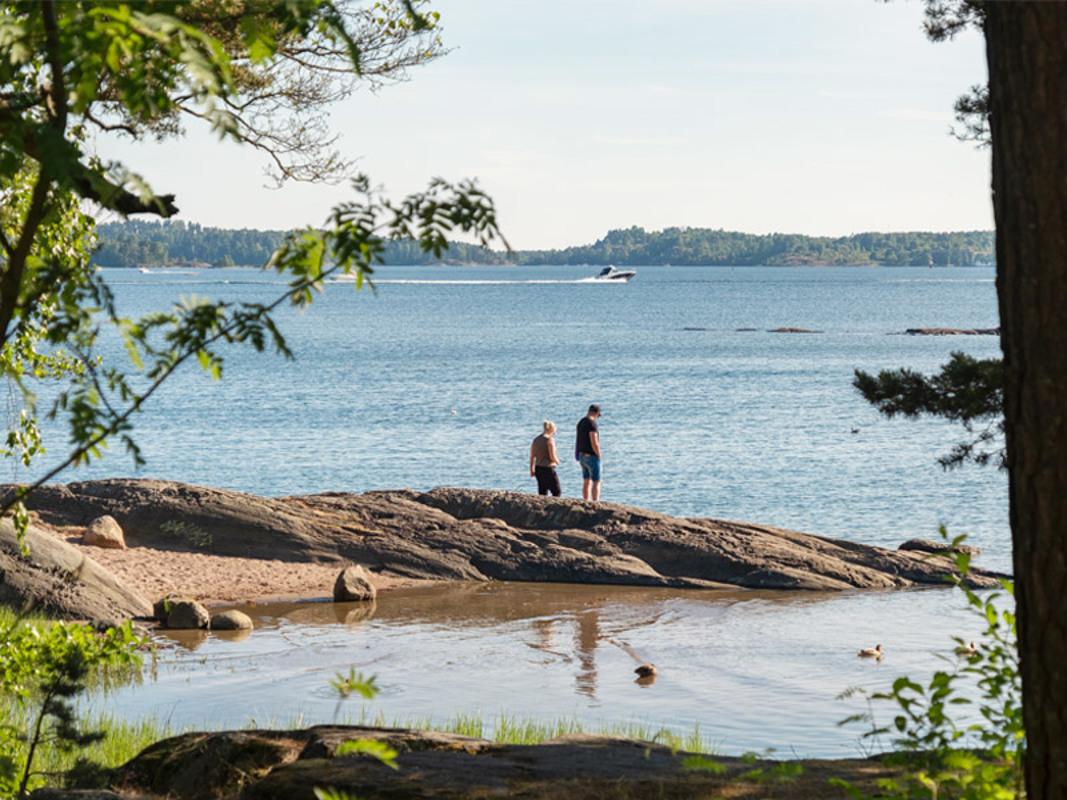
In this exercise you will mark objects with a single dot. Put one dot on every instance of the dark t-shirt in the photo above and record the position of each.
(586, 426)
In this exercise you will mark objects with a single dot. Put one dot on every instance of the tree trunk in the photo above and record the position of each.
(1027, 53)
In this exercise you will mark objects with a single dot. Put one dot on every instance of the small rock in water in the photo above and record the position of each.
(231, 620)
(353, 585)
(188, 615)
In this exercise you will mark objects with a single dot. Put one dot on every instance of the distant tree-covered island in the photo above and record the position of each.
(136, 243)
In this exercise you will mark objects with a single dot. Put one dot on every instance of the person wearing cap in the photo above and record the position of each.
(543, 460)
(587, 451)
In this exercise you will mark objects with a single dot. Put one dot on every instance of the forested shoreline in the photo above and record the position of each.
(137, 243)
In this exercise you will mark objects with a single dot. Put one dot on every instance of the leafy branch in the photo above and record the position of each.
(966, 390)
(100, 402)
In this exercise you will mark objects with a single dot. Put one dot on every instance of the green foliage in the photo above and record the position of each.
(43, 667)
(100, 400)
(74, 67)
(354, 683)
(330, 793)
(943, 759)
(966, 390)
(379, 750)
(699, 763)
(187, 532)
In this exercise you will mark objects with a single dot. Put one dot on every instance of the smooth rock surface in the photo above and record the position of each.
(59, 580)
(473, 534)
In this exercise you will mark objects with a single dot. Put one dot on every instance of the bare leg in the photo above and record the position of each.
(596, 492)
(587, 486)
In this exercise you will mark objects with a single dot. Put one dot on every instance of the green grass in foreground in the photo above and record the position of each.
(515, 730)
(125, 739)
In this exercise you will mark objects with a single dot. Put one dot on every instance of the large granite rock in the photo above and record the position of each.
(470, 534)
(267, 765)
(57, 579)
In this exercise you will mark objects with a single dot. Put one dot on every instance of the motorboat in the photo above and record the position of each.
(609, 273)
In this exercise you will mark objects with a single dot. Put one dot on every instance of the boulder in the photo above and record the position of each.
(187, 615)
(161, 608)
(59, 580)
(104, 532)
(231, 620)
(353, 584)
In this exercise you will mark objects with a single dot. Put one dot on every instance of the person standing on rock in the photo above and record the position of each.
(587, 451)
(543, 460)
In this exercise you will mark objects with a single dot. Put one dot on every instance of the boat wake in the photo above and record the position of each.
(443, 282)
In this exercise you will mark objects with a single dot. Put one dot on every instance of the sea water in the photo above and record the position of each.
(441, 376)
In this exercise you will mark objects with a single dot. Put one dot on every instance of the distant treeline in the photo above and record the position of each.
(703, 246)
(137, 243)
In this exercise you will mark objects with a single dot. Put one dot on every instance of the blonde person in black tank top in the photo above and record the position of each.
(543, 460)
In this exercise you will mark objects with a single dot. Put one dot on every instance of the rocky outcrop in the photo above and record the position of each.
(470, 534)
(57, 579)
(257, 765)
(939, 548)
(953, 331)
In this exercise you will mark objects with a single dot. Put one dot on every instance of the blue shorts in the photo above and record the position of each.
(590, 467)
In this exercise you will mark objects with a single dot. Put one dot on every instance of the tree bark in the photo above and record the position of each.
(1026, 46)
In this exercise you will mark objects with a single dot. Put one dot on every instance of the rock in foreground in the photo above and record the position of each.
(57, 579)
(257, 765)
(470, 534)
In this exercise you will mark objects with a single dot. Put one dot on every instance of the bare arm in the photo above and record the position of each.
(532, 458)
(552, 457)
(594, 442)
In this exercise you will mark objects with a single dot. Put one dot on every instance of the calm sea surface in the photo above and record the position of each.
(442, 377)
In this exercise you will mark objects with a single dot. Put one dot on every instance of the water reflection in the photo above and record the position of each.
(185, 638)
(751, 669)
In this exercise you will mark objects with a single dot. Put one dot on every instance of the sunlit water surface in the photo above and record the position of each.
(747, 670)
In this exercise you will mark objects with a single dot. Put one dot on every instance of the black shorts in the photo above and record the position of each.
(547, 481)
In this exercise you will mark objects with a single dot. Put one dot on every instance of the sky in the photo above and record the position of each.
(819, 117)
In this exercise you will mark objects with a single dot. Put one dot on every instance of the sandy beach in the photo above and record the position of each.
(214, 579)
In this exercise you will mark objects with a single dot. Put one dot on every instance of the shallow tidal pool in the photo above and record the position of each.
(746, 670)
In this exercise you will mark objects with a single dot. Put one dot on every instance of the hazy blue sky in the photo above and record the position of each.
(824, 117)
